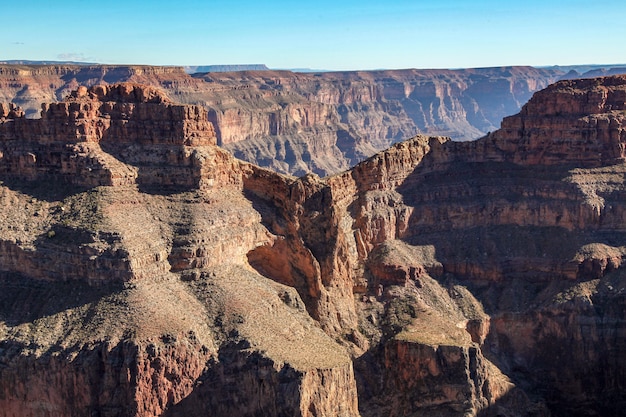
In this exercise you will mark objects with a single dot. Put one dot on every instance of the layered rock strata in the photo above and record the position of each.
(327, 122)
(125, 283)
(309, 122)
(435, 278)
(523, 230)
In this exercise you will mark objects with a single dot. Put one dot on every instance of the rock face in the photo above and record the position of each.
(126, 288)
(527, 226)
(309, 122)
(110, 117)
(328, 122)
(435, 278)
(575, 122)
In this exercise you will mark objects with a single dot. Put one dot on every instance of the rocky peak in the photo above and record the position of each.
(88, 138)
(572, 122)
(10, 111)
(128, 113)
(120, 93)
(579, 97)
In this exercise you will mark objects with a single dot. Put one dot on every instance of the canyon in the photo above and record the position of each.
(145, 271)
(324, 123)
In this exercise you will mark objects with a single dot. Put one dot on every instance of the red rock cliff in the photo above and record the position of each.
(577, 122)
(298, 123)
(126, 287)
(523, 232)
(436, 277)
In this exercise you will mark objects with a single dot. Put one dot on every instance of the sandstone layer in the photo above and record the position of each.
(523, 232)
(147, 272)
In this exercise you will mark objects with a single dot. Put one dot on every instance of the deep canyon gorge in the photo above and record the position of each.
(147, 269)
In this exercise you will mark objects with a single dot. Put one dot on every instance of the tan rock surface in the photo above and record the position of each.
(435, 278)
(146, 294)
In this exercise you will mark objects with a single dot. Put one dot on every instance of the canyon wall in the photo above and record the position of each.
(308, 122)
(485, 273)
(523, 232)
(434, 278)
(126, 288)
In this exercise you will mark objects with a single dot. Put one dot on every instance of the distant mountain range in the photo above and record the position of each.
(586, 70)
(189, 69)
(582, 68)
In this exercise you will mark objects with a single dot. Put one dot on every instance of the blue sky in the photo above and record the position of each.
(335, 35)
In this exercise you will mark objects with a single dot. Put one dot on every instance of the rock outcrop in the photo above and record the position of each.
(523, 231)
(113, 118)
(125, 283)
(435, 278)
(576, 122)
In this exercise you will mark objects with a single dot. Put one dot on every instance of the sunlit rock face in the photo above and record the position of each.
(126, 287)
(147, 272)
(298, 123)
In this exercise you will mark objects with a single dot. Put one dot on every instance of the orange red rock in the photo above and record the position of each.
(434, 277)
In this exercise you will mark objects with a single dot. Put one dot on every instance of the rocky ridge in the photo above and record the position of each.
(126, 289)
(308, 122)
(435, 278)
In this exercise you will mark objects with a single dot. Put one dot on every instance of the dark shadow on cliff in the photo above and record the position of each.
(50, 189)
(155, 175)
(566, 346)
(271, 215)
(106, 369)
(369, 375)
(377, 399)
(284, 261)
(516, 403)
(24, 300)
(487, 220)
(242, 383)
(163, 190)
(514, 237)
